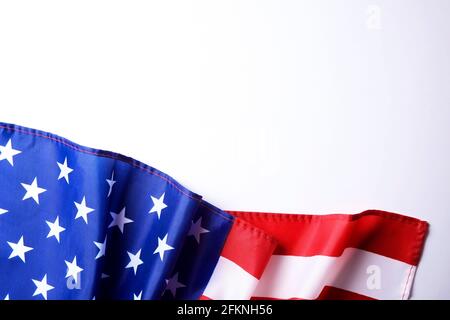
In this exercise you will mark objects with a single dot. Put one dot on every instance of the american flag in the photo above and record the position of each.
(82, 223)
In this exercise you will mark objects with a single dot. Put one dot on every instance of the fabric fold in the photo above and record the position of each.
(83, 223)
(370, 255)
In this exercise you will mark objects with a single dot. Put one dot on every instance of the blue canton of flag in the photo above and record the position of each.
(81, 223)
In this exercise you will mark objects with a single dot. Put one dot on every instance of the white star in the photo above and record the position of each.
(19, 249)
(55, 229)
(158, 205)
(7, 152)
(72, 269)
(102, 248)
(137, 297)
(119, 220)
(64, 170)
(3, 211)
(33, 190)
(110, 182)
(42, 287)
(172, 284)
(162, 247)
(6, 297)
(83, 210)
(135, 260)
(196, 229)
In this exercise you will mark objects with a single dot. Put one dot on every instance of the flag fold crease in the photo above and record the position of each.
(83, 223)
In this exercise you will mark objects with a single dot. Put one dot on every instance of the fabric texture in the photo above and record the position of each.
(82, 223)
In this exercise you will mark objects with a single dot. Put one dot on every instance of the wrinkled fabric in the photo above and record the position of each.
(82, 223)
(107, 276)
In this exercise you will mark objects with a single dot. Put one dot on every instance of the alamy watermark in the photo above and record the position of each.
(373, 17)
(73, 283)
(373, 281)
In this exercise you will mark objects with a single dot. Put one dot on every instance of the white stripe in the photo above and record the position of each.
(230, 282)
(285, 277)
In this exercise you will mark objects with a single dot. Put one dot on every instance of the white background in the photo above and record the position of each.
(286, 106)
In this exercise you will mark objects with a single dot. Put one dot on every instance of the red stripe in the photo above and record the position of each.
(248, 247)
(328, 293)
(332, 293)
(385, 233)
